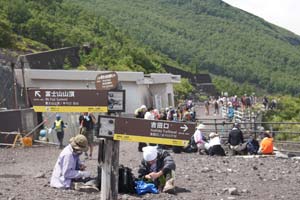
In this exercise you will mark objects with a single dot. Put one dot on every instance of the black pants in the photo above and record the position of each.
(216, 150)
(60, 137)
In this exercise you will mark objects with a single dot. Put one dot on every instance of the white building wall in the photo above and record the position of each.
(140, 89)
(161, 92)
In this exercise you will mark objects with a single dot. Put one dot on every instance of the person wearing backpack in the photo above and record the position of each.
(59, 126)
(236, 140)
(252, 145)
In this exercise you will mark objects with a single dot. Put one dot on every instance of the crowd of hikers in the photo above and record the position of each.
(157, 168)
(211, 143)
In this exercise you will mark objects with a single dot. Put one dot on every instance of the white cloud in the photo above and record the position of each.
(283, 13)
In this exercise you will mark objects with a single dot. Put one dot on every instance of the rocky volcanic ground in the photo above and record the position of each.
(25, 174)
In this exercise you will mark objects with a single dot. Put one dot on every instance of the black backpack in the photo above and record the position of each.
(252, 146)
(126, 180)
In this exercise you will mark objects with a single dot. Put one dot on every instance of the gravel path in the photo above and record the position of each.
(25, 174)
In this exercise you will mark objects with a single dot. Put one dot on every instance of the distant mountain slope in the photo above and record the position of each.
(210, 35)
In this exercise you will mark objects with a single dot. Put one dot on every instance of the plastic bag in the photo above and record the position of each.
(142, 188)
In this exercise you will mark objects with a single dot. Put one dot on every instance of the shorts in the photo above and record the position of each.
(89, 135)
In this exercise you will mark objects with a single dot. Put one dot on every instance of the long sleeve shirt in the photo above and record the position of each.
(65, 169)
(198, 137)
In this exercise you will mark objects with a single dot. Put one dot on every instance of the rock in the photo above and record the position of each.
(12, 198)
(254, 168)
(245, 191)
(231, 198)
(40, 175)
(233, 191)
(229, 170)
(205, 170)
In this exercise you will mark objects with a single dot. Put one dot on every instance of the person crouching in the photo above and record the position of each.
(68, 168)
(158, 167)
(214, 145)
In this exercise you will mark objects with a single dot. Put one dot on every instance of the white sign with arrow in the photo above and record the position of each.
(184, 127)
(37, 94)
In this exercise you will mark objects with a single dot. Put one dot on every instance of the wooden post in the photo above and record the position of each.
(110, 170)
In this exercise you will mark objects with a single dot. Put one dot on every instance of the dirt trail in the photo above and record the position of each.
(197, 177)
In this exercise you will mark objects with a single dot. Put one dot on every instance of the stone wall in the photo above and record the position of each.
(54, 59)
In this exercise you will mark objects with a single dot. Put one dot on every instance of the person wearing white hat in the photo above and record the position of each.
(214, 145)
(199, 138)
(158, 166)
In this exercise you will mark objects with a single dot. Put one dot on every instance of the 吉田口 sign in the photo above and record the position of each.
(153, 131)
(68, 100)
(106, 81)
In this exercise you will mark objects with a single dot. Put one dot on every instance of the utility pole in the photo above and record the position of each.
(24, 82)
(15, 85)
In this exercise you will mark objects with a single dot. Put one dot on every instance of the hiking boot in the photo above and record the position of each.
(170, 186)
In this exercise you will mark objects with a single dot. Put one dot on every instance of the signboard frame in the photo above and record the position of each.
(116, 101)
(153, 131)
(68, 100)
(106, 81)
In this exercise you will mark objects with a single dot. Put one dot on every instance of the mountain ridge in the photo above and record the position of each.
(211, 35)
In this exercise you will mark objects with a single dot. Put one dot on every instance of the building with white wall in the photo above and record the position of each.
(151, 90)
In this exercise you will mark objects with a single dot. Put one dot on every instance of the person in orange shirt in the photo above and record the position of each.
(266, 144)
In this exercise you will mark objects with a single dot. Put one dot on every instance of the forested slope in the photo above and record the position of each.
(33, 25)
(210, 35)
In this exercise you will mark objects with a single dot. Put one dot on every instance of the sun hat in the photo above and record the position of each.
(200, 126)
(79, 142)
(144, 107)
(149, 153)
(212, 135)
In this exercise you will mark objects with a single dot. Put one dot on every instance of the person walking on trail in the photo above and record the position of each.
(230, 112)
(69, 170)
(206, 105)
(87, 121)
(236, 140)
(158, 167)
(59, 126)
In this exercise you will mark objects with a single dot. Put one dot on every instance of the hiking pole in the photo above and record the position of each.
(40, 124)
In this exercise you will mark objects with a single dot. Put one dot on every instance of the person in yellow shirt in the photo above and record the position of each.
(266, 144)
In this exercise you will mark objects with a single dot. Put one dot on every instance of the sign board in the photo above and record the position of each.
(68, 100)
(106, 81)
(153, 131)
(116, 101)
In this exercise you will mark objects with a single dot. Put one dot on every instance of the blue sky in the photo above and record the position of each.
(283, 13)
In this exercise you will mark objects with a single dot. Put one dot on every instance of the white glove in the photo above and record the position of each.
(85, 174)
(49, 130)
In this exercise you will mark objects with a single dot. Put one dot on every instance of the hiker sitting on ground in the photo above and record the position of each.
(68, 166)
(199, 138)
(158, 167)
(214, 147)
(266, 144)
(236, 140)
